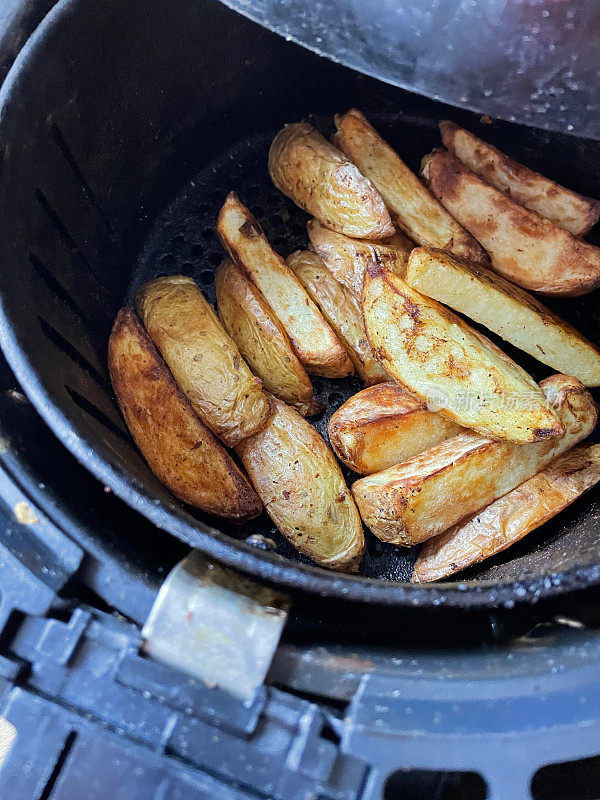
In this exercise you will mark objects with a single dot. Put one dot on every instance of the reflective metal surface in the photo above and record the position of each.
(531, 61)
(215, 625)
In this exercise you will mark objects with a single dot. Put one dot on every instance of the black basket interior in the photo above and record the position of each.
(122, 128)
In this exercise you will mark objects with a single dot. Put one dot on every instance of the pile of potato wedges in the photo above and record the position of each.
(458, 449)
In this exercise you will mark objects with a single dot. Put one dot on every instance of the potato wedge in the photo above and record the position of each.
(347, 258)
(413, 208)
(312, 339)
(300, 483)
(506, 309)
(524, 247)
(341, 310)
(180, 450)
(306, 167)
(429, 493)
(567, 209)
(511, 517)
(261, 339)
(384, 425)
(450, 366)
(204, 360)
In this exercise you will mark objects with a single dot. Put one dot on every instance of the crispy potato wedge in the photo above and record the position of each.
(300, 483)
(261, 339)
(320, 179)
(506, 309)
(347, 258)
(567, 209)
(511, 517)
(180, 450)
(204, 360)
(312, 339)
(413, 208)
(429, 493)
(384, 425)
(524, 247)
(450, 366)
(341, 310)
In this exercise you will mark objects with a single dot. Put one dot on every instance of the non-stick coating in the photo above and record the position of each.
(97, 138)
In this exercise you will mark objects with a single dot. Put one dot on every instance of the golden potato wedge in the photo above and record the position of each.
(341, 310)
(506, 309)
(450, 366)
(511, 517)
(384, 425)
(261, 339)
(413, 208)
(429, 493)
(524, 247)
(179, 448)
(306, 167)
(300, 483)
(204, 360)
(567, 209)
(347, 258)
(312, 339)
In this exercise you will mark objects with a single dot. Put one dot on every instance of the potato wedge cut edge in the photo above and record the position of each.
(511, 517)
(450, 366)
(506, 309)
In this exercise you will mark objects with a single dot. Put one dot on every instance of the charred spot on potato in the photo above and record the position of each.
(250, 229)
(374, 269)
(154, 372)
(412, 310)
(544, 433)
(447, 181)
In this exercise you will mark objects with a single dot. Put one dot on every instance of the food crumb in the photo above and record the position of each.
(25, 513)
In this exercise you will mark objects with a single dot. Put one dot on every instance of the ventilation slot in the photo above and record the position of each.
(59, 226)
(55, 287)
(94, 412)
(60, 762)
(74, 355)
(68, 241)
(571, 779)
(64, 148)
(420, 784)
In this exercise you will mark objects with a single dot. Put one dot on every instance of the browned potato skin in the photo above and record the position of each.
(429, 493)
(511, 312)
(311, 337)
(413, 208)
(261, 339)
(306, 167)
(300, 483)
(563, 207)
(511, 517)
(341, 310)
(204, 360)
(385, 425)
(179, 448)
(426, 347)
(347, 258)
(524, 247)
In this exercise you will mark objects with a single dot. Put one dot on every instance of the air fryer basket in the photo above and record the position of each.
(122, 127)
